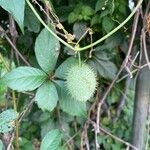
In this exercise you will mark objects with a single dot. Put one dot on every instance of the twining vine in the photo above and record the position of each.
(94, 43)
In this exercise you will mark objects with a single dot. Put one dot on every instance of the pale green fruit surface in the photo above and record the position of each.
(81, 82)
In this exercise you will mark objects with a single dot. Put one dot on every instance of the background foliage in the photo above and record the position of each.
(56, 120)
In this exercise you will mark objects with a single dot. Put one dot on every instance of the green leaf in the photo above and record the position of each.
(51, 141)
(69, 51)
(62, 148)
(47, 126)
(16, 9)
(104, 13)
(123, 8)
(108, 24)
(47, 50)
(62, 70)
(99, 5)
(31, 22)
(106, 69)
(46, 96)
(1, 145)
(79, 28)
(87, 11)
(72, 17)
(25, 144)
(24, 78)
(95, 20)
(103, 66)
(63, 11)
(112, 42)
(68, 104)
(7, 119)
(44, 116)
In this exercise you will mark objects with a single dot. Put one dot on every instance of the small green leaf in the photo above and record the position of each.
(95, 20)
(79, 28)
(87, 11)
(51, 141)
(111, 43)
(24, 78)
(16, 9)
(72, 17)
(46, 96)
(104, 13)
(103, 65)
(47, 126)
(47, 50)
(7, 119)
(31, 22)
(62, 70)
(108, 24)
(63, 11)
(99, 5)
(69, 51)
(68, 104)
(25, 144)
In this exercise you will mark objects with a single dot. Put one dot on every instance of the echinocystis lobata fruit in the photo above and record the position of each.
(81, 82)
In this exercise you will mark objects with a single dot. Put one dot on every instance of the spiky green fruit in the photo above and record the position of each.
(81, 82)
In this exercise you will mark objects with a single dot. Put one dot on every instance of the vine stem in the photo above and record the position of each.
(47, 27)
(14, 103)
(16, 122)
(14, 35)
(92, 44)
(4, 62)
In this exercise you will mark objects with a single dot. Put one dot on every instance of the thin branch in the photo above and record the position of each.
(14, 47)
(4, 62)
(72, 137)
(84, 138)
(122, 100)
(134, 71)
(14, 35)
(136, 18)
(9, 147)
(143, 36)
(117, 138)
(26, 109)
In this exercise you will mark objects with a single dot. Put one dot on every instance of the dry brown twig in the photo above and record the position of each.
(3, 32)
(54, 20)
(101, 101)
(97, 128)
(14, 36)
(136, 18)
(146, 28)
(117, 138)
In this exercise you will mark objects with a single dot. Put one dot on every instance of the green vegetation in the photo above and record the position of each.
(68, 71)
